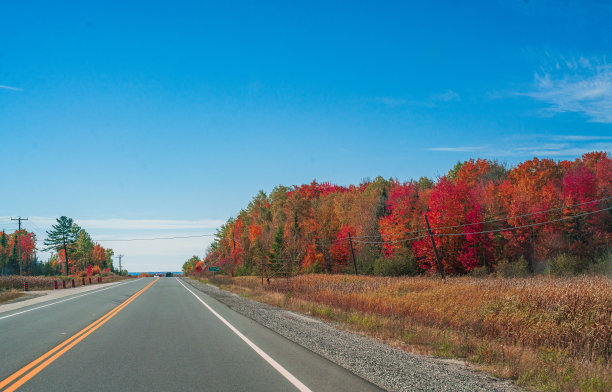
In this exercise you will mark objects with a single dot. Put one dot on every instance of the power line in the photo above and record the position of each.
(359, 239)
(488, 231)
(524, 215)
(494, 220)
(530, 225)
(465, 225)
(159, 238)
(391, 242)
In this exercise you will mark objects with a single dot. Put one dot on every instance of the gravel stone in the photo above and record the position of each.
(388, 367)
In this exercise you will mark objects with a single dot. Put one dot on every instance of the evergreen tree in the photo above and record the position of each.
(276, 254)
(13, 259)
(61, 236)
(3, 252)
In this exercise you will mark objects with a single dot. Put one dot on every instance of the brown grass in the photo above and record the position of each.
(547, 333)
(8, 295)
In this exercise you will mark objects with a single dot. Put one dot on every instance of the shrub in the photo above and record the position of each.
(314, 268)
(220, 279)
(516, 269)
(395, 266)
(96, 270)
(15, 282)
(602, 265)
(564, 265)
(243, 270)
(479, 272)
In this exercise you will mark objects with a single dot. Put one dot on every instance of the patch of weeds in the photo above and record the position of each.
(287, 298)
(354, 318)
(409, 337)
(444, 348)
(593, 384)
(322, 311)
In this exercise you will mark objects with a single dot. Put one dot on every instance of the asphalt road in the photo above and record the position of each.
(155, 335)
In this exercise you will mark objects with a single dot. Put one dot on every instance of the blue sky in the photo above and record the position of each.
(157, 119)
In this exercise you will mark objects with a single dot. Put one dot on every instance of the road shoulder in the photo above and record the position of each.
(388, 367)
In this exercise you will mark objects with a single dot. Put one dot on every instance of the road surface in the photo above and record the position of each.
(154, 334)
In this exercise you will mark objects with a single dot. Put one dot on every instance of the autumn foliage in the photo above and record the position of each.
(482, 214)
(84, 256)
(9, 252)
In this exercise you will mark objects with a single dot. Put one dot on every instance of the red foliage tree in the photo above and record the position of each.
(340, 248)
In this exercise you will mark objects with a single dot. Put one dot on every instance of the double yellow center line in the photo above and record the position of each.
(30, 370)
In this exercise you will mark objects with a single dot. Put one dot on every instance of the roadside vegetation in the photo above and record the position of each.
(86, 259)
(11, 286)
(9, 294)
(547, 333)
(15, 282)
(84, 255)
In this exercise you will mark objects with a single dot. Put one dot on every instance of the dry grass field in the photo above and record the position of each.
(552, 334)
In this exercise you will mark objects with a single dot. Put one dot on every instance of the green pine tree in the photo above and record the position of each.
(3, 252)
(276, 254)
(62, 236)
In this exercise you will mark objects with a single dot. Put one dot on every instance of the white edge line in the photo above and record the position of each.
(290, 377)
(64, 300)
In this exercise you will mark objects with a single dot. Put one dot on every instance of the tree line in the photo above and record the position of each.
(484, 217)
(66, 237)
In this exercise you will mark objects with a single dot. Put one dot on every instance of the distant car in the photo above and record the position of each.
(156, 276)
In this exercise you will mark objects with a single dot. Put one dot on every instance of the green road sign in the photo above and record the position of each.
(215, 269)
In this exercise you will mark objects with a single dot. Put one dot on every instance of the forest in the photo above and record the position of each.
(539, 216)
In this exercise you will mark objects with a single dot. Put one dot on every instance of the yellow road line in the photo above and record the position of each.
(65, 346)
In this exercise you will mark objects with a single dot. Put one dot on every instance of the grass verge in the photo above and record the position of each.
(7, 295)
(548, 334)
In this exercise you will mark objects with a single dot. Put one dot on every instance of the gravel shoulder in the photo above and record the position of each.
(388, 367)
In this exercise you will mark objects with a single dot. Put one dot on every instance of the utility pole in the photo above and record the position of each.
(19, 236)
(120, 256)
(234, 250)
(440, 267)
(352, 252)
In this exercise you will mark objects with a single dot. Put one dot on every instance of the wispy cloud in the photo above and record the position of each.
(578, 138)
(391, 101)
(148, 224)
(2, 86)
(447, 96)
(522, 146)
(559, 151)
(457, 149)
(431, 101)
(576, 85)
(134, 224)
